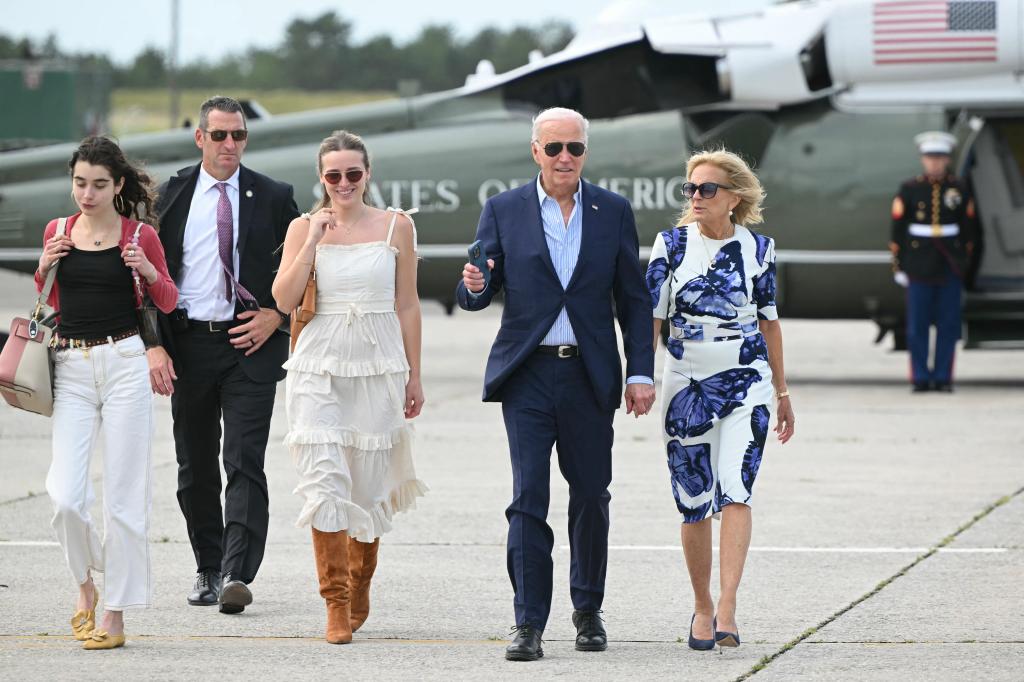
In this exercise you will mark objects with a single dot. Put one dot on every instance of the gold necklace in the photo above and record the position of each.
(348, 228)
(703, 240)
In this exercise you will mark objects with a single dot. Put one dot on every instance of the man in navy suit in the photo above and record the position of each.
(562, 250)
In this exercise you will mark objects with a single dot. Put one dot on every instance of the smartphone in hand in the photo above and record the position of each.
(478, 257)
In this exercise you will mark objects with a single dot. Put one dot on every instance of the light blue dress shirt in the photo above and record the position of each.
(564, 241)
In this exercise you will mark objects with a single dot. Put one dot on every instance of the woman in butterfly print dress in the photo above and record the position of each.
(714, 281)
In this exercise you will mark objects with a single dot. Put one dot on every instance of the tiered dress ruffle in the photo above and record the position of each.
(348, 435)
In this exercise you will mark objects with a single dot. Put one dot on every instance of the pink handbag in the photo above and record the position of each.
(26, 363)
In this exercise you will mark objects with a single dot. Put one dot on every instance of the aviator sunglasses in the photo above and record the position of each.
(555, 148)
(221, 135)
(707, 190)
(353, 175)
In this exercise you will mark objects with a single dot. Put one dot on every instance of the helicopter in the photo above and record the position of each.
(823, 98)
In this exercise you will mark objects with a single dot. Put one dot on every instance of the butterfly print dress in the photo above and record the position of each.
(717, 383)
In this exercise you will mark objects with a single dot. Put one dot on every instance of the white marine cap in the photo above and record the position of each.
(935, 142)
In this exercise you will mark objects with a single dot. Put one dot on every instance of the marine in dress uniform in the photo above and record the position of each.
(933, 234)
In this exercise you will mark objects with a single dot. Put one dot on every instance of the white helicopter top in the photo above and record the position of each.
(874, 53)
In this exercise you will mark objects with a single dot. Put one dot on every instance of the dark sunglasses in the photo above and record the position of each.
(221, 135)
(707, 190)
(555, 148)
(353, 175)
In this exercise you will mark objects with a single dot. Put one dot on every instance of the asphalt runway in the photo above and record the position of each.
(888, 542)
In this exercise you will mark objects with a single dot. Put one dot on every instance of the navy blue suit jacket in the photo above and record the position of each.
(608, 271)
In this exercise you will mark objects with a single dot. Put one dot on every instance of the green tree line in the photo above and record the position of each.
(319, 54)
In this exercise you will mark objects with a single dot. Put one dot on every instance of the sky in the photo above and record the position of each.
(123, 28)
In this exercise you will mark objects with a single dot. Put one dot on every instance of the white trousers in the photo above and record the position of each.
(104, 390)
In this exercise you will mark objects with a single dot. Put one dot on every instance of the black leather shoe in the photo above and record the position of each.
(527, 644)
(207, 588)
(943, 387)
(234, 596)
(921, 387)
(590, 634)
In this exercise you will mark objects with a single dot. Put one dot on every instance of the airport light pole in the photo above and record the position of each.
(172, 66)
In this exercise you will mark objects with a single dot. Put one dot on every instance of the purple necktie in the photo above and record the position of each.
(225, 245)
(225, 236)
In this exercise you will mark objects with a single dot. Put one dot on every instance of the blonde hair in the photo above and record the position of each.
(745, 185)
(339, 141)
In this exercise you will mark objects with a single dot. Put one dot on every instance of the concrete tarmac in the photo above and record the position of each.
(888, 541)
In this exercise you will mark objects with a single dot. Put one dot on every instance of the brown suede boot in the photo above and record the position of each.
(331, 550)
(362, 561)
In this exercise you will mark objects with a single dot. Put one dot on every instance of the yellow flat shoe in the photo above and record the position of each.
(101, 639)
(84, 622)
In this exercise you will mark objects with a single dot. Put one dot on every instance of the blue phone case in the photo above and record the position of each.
(478, 257)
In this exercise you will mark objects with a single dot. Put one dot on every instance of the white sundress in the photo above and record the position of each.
(717, 384)
(345, 395)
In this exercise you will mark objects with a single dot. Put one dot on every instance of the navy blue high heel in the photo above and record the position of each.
(701, 644)
(731, 639)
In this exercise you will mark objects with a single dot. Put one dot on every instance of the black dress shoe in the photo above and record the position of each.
(590, 634)
(943, 387)
(921, 387)
(526, 646)
(234, 596)
(207, 588)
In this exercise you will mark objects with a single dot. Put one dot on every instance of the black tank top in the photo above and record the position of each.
(97, 294)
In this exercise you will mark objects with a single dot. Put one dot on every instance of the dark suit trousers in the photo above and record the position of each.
(549, 401)
(212, 385)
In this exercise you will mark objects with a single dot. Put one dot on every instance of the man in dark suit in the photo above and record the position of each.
(562, 250)
(221, 226)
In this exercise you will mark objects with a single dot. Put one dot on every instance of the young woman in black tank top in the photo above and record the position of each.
(101, 382)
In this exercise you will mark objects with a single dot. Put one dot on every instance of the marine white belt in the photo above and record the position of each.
(922, 230)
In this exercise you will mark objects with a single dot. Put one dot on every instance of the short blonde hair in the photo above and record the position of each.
(745, 185)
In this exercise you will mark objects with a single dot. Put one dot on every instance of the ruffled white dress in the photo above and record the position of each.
(345, 395)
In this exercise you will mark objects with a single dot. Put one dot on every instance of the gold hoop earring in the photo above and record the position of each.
(120, 208)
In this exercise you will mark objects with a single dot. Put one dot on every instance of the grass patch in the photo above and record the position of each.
(143, 110)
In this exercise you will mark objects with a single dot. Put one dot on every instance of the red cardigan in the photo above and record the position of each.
(162, 291)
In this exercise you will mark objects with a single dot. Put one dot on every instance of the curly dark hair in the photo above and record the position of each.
(138, 193)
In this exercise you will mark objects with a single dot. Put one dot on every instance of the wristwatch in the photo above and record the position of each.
(285, 317)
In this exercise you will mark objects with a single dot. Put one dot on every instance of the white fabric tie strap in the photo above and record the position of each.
(922, 230)
(356, 313)
(408, 214)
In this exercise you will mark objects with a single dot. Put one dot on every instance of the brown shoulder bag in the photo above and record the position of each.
(307, 306)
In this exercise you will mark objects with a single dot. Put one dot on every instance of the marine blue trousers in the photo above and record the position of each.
(549, 401)
(933, 304)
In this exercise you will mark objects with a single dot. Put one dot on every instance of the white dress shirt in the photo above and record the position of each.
(201, 280)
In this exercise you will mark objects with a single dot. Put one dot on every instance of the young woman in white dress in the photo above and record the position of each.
(354, 377)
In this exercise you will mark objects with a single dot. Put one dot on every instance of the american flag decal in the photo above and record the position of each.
(934, 31)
